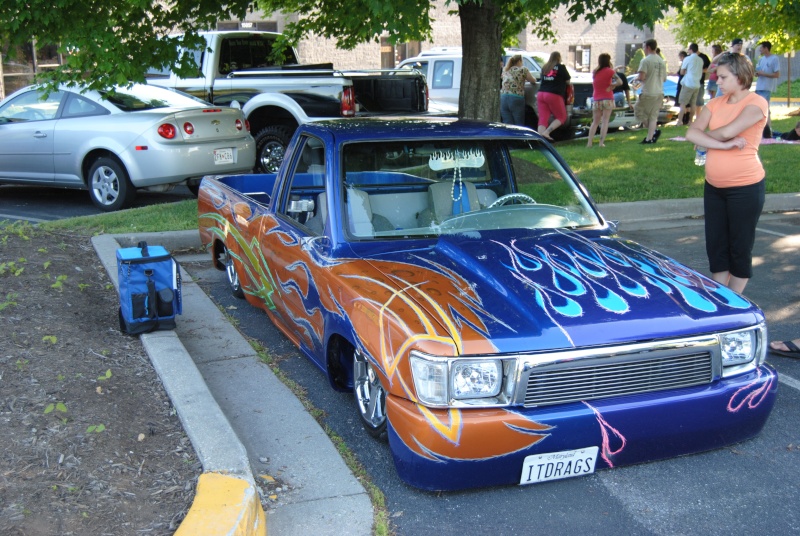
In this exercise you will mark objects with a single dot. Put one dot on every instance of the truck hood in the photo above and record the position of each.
(557, 289)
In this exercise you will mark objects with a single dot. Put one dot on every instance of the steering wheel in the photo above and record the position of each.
(503, 199)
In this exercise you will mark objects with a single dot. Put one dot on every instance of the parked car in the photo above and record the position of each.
(113, 143)
(670, 86)
(458, 279)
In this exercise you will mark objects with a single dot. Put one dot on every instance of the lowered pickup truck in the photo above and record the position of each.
(459, 280)
(237, 66)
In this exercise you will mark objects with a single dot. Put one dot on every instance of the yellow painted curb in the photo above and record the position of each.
(224, 505)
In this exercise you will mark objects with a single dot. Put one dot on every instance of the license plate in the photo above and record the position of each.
(223, 156)
(558, 465)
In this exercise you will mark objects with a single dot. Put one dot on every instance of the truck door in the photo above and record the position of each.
(286, 244)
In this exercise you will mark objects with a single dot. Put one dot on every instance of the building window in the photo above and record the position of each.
(631, 50)
(580, 58)
(18, 68)
(391, 54)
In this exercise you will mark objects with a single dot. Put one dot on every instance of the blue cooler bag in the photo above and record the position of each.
(149, 289)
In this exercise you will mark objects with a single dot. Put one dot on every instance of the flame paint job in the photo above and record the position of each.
(495, 293)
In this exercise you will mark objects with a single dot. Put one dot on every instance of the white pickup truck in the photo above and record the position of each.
(237, 66)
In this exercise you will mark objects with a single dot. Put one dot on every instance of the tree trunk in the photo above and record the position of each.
(481, 42)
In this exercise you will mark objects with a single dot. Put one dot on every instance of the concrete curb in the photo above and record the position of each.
(227, 500)
(644, 215)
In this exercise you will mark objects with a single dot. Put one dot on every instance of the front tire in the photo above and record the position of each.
(109, 185)
(271, 145)
(370, 396)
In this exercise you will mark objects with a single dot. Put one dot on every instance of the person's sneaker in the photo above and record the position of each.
(657, 134)
(648, 142)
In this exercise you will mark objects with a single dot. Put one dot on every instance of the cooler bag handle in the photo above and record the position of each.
(143, 246)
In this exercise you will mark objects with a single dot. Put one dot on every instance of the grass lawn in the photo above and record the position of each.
(626, 171)
(623, 171)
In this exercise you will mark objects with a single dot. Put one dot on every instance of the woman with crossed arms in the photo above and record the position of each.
(730, 127)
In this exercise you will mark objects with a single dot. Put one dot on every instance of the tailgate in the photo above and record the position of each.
(395, 91)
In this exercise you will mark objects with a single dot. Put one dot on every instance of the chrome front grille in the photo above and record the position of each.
(596, 377)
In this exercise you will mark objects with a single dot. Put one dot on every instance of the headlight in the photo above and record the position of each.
(743, 350)
(463, 382)
(476, 379)
(738, 347)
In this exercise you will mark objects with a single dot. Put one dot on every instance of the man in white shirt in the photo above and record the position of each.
(692, 71)
(768, 70)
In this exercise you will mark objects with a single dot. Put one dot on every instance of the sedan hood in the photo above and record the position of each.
(557, 289)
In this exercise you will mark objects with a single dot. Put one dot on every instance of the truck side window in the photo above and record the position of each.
(305, 201)
(443, 74)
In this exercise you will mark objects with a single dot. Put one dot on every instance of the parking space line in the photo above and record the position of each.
(775, 233)
(789, 381)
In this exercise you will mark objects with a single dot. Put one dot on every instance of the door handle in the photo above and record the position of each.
(39, 134)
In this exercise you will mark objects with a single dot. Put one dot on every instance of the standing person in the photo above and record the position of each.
(512, 91)
(768, 70)
(552, 94)
(623, 88)
(730, 127)
(692, 70)
(702, 93)
(681, 56)
(716, 50)
(604, 80)
(652, 73)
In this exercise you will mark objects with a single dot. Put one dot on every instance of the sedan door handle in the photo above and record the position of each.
(39, 134)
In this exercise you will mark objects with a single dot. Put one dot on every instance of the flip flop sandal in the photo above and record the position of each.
(794, 350)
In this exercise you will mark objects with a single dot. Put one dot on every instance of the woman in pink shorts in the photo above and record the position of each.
(604, 80)
(552, 94)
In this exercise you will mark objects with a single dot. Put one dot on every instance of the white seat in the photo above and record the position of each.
(441, 198)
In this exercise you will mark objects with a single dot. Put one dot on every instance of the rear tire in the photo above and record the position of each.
(234, 283)
(271, 145)
(109, 185)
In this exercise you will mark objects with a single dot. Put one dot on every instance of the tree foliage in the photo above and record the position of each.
(110, 43)
(718, 22)
(116, 42)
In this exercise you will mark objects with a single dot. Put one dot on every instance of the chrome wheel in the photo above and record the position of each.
(232, 276)
(370, 396)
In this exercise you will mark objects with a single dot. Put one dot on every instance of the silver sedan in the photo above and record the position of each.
(113, 143)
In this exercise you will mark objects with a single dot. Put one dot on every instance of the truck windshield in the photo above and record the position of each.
(427, 187)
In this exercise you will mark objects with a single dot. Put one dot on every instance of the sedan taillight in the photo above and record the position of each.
(167, 131)
(188, 128)
(239, 124)
(247, 125)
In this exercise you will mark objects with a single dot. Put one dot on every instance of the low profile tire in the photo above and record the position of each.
(370, 396)
(271, 145)
(234, 283)
(109, 185)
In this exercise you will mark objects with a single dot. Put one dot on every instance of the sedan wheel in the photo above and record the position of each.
(230, 271)
(109, 186)
(370, 396)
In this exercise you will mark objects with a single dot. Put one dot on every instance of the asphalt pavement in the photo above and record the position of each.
(247, 426)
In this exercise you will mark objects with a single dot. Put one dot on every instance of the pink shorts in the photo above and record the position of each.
(550, 104)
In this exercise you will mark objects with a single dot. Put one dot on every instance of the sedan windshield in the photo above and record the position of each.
(423, 188)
